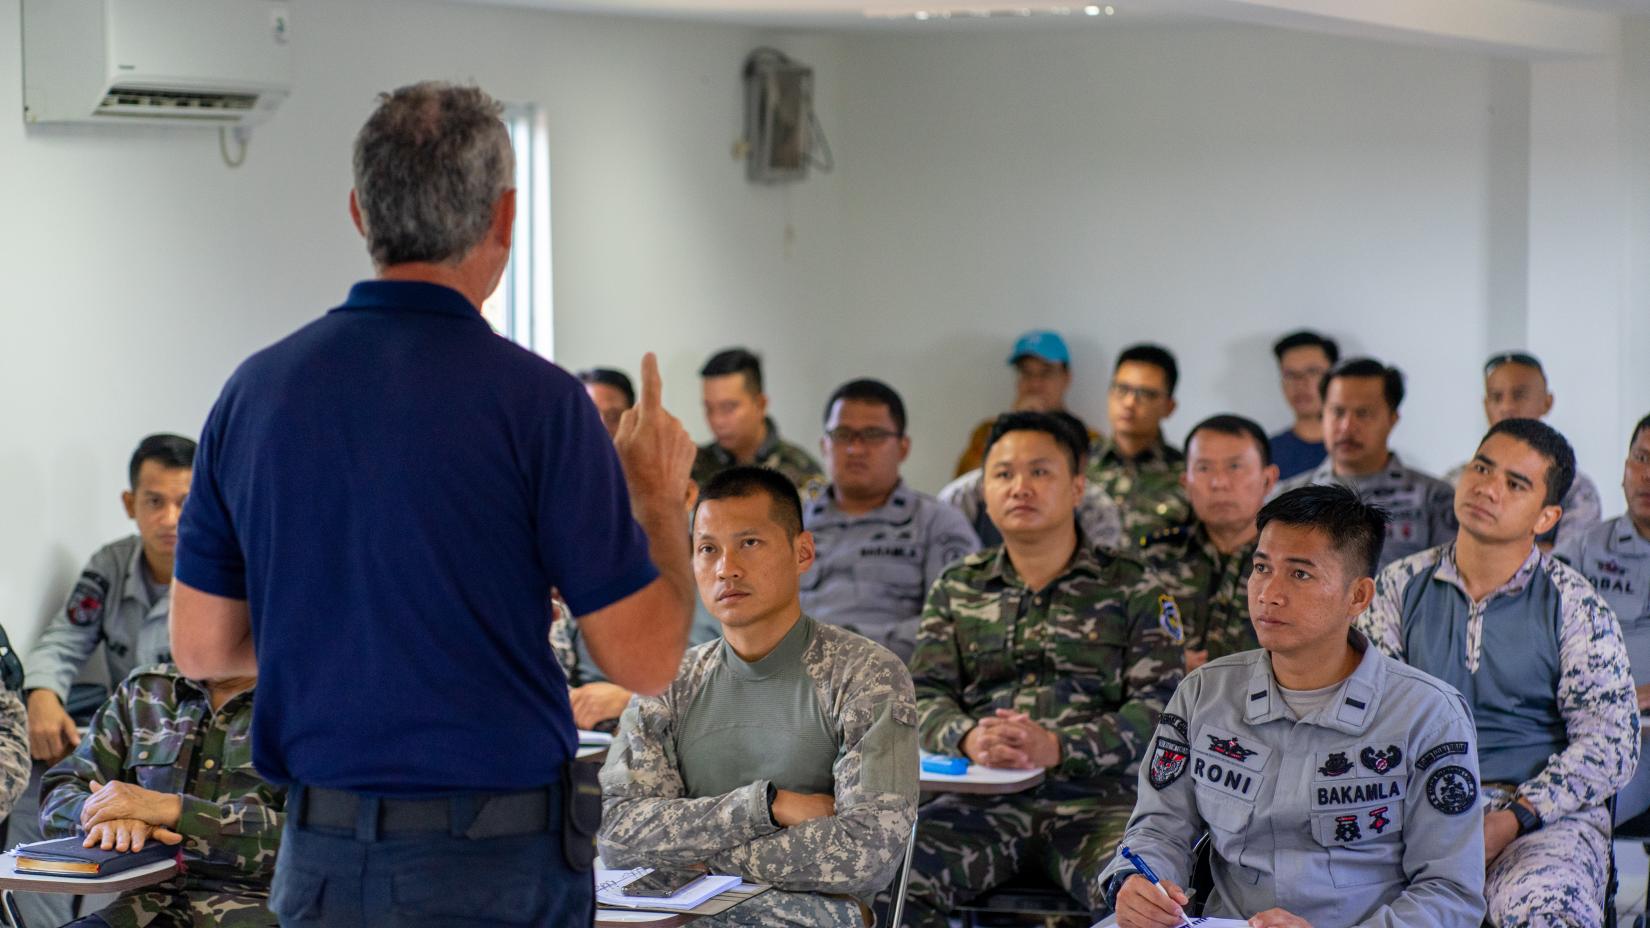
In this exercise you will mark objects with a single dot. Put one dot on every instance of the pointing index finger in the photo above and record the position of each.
(652, 386)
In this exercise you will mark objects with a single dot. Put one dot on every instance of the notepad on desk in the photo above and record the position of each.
(609, 885)
(67, 857)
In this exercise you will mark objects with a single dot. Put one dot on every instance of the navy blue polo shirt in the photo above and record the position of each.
(394, 490)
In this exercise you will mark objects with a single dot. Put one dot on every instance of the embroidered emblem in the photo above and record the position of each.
(1452, 790)
(86, 602)
(1378, 820)
(1229, 747)
(1168, 617)
(1434, 755)
(1382, 762)
(1346, 828)
(1337, 765)
(1175, 722)
(1168, 762)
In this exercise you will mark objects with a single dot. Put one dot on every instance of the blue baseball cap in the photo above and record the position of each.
(1041, 343)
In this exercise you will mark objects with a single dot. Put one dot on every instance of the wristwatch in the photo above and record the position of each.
(1528, 820)
(773, 793)
(1114, 885)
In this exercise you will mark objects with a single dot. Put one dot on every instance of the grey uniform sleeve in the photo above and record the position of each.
(854, 850)
(1596, 698)
(1165, 823)
(1443, 852)
(1582, 511)
(950, 538)
(646, 821)
(71, 634)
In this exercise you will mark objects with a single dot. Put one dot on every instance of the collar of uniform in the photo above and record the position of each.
(787, 652)
(1625, 537)
(1394, 469)
(1449, 573)
(769, 446)
(1159, 450)
(897, 508)
(411, 296)
(1353, 706)
(1085, 559)
(137, 578)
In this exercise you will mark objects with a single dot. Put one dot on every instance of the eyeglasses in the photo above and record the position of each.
(1308, 375)
(842, 435)
(1144, 394)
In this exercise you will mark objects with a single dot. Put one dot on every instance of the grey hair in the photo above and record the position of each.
(430, 164)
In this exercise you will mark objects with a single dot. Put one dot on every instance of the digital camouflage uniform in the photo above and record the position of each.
(1211, 589)
(1097, 516)
(1541, 662)
(1093, 657)
(1146, 488)
(825, 871)
(14, 749)
(568, 644)
(776, 453)
(159, 731)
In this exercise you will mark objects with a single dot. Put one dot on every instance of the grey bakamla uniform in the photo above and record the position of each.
(110, 602)
(1363, 812)
(1581, 505)
(1419, 506)
(872, 571)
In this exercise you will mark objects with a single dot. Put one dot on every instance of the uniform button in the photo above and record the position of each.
(1162, 508)
(210, 763)
(143, 755)
(1093, 635)
(1031, 678)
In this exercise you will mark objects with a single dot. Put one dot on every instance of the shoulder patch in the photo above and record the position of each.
(1434, 755)
(1175, 722)
(86, 603)
(1168, 618)
(1452, 790)
(1168, 762)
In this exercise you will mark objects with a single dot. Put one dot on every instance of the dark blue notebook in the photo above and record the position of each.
(65, 857)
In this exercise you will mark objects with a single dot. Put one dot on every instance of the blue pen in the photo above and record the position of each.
(1145, 871)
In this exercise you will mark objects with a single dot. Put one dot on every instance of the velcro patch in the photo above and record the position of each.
(1336, 765)
(1232, 749)
(1434, 755)
(1355, 793)
(1351, 826)
(1219, 774)
(1168, 762)
(1380, 761)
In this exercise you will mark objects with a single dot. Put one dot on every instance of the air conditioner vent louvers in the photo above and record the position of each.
(122, 100)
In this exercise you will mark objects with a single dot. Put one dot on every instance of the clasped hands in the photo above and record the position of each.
(1011, 739)
(124, 817)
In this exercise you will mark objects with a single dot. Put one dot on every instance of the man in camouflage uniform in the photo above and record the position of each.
(1538, 655)
(1515, 387)
(1360, 409)
(1046, 652)
(742, 433)
(169, 759)
(1134, 466)
(1204, 564)
(784, 753)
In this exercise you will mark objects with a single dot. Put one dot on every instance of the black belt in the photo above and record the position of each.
(475, 816)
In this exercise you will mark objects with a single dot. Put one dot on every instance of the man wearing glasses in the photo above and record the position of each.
(1303, 358)
(1134, 465)
(879, 545)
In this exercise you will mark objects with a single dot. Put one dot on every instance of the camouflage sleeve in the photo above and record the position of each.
(855, 849)
(1165, 821)
(1582, 511)
(242, 833)
(101, 756)
(936, 671)
(1596, 698)
(950, 538)
(646, 821)
(14, 750)
(71, 633)
(561, 640)
(1111, 742)
(1383, 622)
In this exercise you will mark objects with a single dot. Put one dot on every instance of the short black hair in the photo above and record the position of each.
(169, 451)
(1231, 424)
(1643, 424)
(867, 390)
(1074, 442)
(745, 480)
(1155, 355)
(1078, 428)
(735, 361)
(1546, 440)
(1392, 379)
(1306, 338)
(1357, 529)
(608, 377)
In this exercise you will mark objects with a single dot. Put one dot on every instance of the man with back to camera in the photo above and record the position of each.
(742, 432)
(1304, 357)
(1205, 564)
(1515, 387)
(1615, 557)
(1539, 657)
(387, 497)
(878, 544)
(784, 753)
(1361, 397)
(1049, 653)
(1042, 375)
(1337, 785)
(122, 598)
(1134, 465)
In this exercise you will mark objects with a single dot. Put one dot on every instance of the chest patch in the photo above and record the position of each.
(1357, 793)
(1335, 765)
(1233, 750)
(1380, 761)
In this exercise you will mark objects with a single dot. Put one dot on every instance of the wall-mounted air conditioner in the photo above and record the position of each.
(171, 62)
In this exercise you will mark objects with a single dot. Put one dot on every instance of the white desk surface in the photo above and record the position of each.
(146, 875)
(981, 780)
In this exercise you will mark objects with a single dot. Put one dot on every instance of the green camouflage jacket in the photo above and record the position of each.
(1147, 488)
(159, 731)
(776, 453)
(1212, 590)
(1093, 657)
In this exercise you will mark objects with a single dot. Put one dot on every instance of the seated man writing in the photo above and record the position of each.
(784, 753)
(1338, 786)
(169, 759)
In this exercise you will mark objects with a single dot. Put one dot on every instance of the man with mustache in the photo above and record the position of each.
(1044, 653)
(785, 752)
(1360, 409)
(1539, 657)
